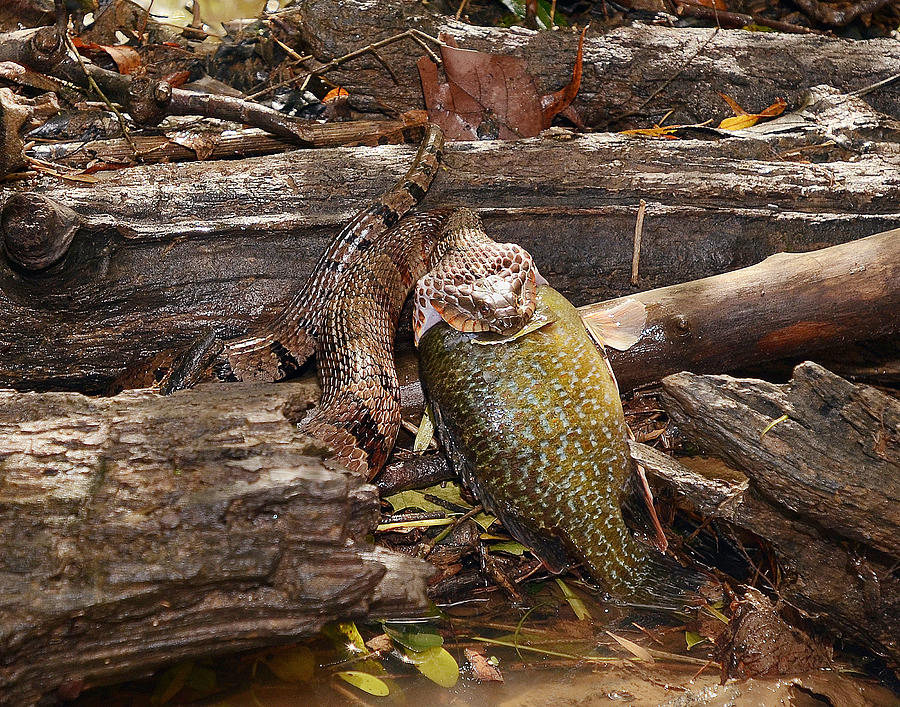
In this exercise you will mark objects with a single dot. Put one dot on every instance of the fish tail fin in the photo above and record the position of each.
(619, 326)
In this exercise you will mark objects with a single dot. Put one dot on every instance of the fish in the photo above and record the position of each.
(533, 424)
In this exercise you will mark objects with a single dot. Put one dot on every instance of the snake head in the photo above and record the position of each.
(494, 289)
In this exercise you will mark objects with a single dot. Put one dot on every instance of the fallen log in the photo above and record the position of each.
(791, 304)
(633, 75)
(137, 531)
(822, 463)
(164, 251)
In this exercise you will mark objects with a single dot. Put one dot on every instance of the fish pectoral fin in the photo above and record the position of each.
(619, 326)
(547, 548)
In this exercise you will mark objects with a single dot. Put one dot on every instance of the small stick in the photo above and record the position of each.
(368, 49)
(638, 234)
(461, 8)
(126, 133)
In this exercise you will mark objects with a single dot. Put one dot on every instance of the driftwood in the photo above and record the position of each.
(138, 530)
(641, 71)
(165, 250)
(822, 486)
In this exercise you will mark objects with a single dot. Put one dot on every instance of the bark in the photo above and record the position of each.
(822, 486)
(138, 530)
(641, 69)
(165, 250)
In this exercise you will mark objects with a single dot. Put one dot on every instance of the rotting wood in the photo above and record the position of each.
(137, 531)
(823, 487)
(166, 250)
(622, 68)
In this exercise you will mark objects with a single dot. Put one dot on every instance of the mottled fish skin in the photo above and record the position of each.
(535, 427)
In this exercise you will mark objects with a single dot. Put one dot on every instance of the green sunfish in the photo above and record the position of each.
(534, 426)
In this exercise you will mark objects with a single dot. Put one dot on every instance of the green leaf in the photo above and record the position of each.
(365, 682)
(511, 547)
(295, 665)
(692, 639)
(436, 664)
(425, 433)
(415, 637)
(346, 638)
(581, 611)
(412, 499)
(716, 613)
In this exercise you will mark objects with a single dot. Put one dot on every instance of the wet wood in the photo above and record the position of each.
(822, 485)
(166, 250)
(138, 531)
(641, 71)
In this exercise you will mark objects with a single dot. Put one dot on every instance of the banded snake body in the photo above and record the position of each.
(347, 311)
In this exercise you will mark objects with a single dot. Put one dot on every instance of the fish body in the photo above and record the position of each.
(534, 426)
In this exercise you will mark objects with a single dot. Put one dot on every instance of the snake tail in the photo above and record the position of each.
(280, 348)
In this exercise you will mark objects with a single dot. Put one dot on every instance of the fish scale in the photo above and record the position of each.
(535, 427)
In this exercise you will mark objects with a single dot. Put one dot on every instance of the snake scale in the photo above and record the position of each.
(347, 311)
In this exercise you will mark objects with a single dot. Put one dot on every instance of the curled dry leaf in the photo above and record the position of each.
(490, 96)
(743, 119)
(126, 58)
(482, 668)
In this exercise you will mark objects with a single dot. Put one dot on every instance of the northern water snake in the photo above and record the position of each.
(348, 309)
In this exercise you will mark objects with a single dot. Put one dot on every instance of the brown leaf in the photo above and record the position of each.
(489, 96)
(484, 671)
(554, 103)
(743, 119)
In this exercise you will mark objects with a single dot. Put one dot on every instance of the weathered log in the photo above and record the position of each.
(166, 250)
(791, 304)
(139, 530)
(823, 487)
(642, 69)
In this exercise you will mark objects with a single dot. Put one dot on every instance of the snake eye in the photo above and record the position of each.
(483, 309)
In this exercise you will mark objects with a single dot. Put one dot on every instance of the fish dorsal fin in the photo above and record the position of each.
(619, 326)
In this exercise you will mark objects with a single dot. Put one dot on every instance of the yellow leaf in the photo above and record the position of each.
(739, 122)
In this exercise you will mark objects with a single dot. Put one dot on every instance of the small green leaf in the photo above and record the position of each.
(511, 547)
(436, 664)
(412, 499)
(295, 665)
(346, 638)
(718, 614)
(416, 637)
(581, 611)
(365, 682)
(425, 433)
(692, 639)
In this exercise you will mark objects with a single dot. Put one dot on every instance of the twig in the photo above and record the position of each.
(638, 234)
(427, 547)
(416, 35)
(461, 9)
(734, 20)
(109, 104)
(871, 87)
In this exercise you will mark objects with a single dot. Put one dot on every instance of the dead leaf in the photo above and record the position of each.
(554, 103)
(126, 58)
(742, 119)
(483, 669)
(489, 96)
(637, 651)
